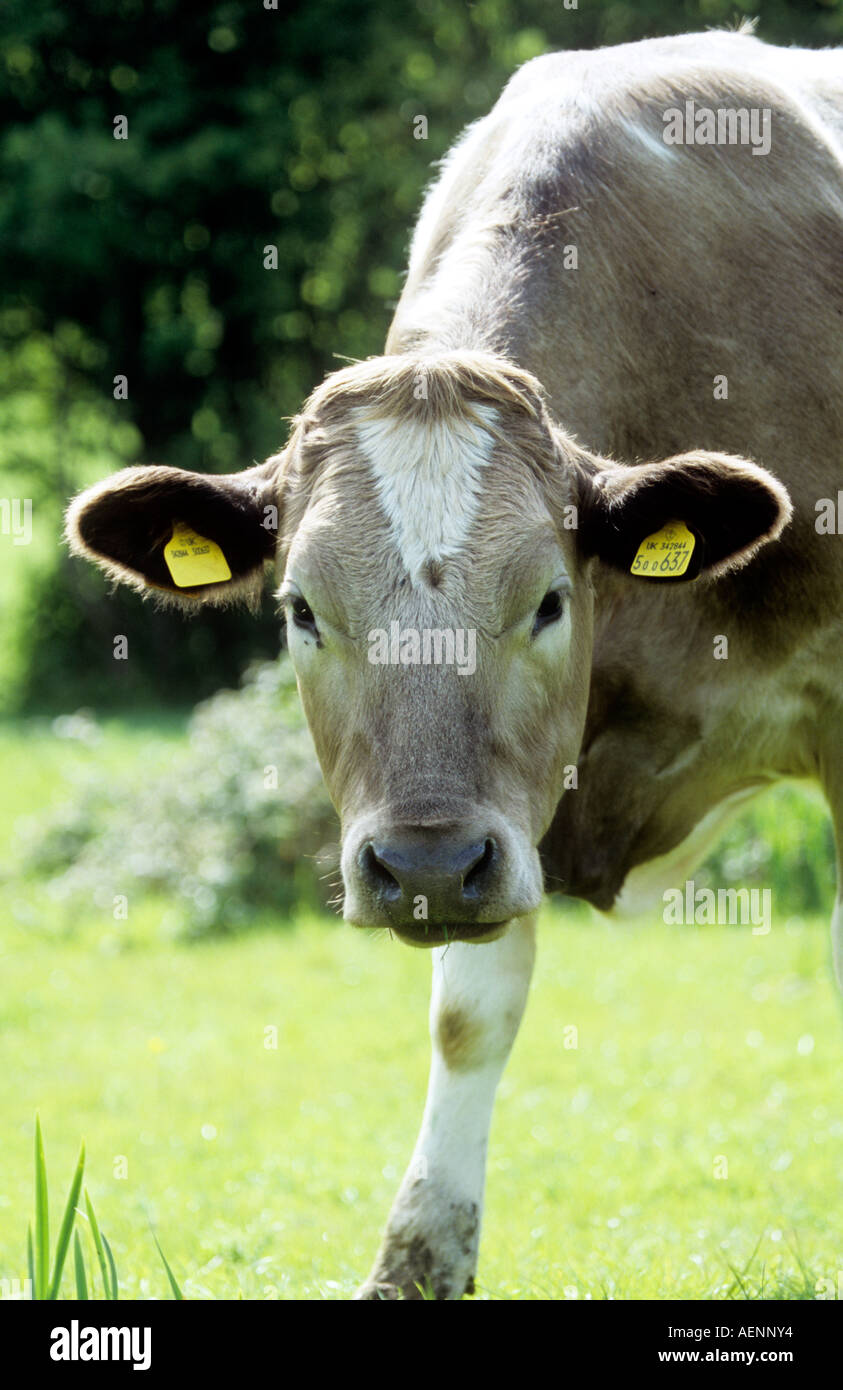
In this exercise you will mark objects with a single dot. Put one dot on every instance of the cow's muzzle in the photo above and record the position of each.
(436, 884)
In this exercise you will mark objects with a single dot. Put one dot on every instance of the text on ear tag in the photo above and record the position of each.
(192, 559)
(666, 553)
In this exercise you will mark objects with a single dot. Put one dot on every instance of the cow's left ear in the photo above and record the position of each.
(189, 538)
(698, 513)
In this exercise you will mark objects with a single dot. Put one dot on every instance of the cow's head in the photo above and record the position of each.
(436, 535)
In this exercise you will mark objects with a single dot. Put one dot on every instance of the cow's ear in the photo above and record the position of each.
(698, 513)
(190, 538)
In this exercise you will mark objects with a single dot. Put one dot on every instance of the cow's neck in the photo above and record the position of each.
(473, 299)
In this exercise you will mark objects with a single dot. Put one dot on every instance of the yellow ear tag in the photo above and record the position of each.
(191, 559)
(666, 553)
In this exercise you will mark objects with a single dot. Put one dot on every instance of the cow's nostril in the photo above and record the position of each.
(476, 880)
(377, 874)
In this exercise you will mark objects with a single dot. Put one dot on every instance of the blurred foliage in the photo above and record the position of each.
(248, 127)
(231, 824)
(238, 820)
(58, 618)
(784, 841)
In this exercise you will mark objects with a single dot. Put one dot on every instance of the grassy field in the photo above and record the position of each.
(267, 1171)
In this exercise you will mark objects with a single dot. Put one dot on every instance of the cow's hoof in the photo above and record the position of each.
(393, 1290)
(429, 1250)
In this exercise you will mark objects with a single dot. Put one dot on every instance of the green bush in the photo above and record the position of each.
(238, 822)
(783, 841)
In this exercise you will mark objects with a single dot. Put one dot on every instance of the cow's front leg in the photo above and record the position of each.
(431, 1238)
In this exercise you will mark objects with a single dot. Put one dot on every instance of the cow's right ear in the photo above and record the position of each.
(189, 538)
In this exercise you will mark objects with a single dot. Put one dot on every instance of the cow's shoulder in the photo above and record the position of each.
(596, 68)
(555, 82)
(597, 107)
(570, 124)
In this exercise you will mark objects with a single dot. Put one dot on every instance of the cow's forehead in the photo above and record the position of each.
(406, 509)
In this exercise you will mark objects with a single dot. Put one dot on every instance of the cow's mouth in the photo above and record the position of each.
(428, 934)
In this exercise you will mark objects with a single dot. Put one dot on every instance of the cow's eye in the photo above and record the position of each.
(303, 615)
(549, 610)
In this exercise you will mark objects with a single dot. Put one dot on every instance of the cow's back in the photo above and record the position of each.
(706, 302)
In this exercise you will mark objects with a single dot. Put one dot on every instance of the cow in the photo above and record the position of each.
(602, 439)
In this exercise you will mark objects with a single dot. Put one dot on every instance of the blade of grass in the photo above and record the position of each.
(177, 1293)
(111, 1267)
(95, 1232)
(79, 1267)
(42, 1218)
(740, 1275)
(66, 1227)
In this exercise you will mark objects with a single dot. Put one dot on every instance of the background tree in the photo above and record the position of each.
(247, 127)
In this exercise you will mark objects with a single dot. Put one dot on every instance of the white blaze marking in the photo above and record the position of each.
(429, 479)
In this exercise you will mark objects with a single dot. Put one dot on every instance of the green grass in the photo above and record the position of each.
(268, 1171)
(45, 1273)
(40, 768)
(271, 1170)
